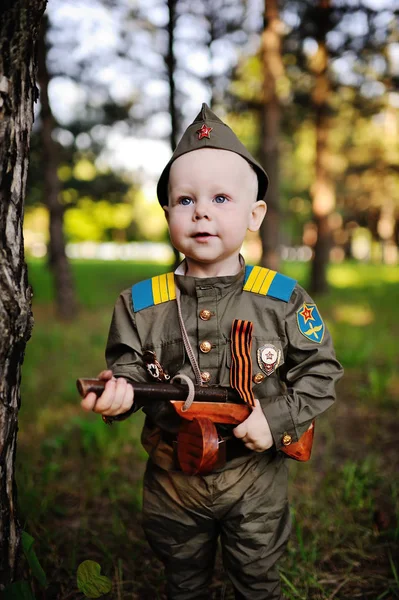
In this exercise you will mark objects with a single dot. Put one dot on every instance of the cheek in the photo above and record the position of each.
(235, 221)
(176, 227)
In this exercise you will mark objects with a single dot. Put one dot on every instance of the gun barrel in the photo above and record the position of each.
(163, 391)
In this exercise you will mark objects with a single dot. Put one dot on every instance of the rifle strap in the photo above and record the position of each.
(241, 363)
(191, 390)
(186, 342)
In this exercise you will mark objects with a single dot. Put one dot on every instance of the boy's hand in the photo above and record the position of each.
(255, 431)
(116, 399)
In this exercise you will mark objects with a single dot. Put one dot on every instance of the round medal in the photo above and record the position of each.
(268, 358)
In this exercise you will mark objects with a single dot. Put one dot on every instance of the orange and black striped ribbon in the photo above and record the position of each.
(241, 364)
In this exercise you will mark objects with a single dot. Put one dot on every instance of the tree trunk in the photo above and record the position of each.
(19, 28)
(171, 67)
(386, 232)
(65, 299)
(322, 191)
(209, 12)
(270, 129)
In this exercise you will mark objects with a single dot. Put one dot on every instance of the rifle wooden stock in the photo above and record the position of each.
(218, 404)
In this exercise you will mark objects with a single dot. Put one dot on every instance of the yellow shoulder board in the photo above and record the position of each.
(153, 291)
(268, 283)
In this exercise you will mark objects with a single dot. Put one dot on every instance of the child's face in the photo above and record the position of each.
(212, 203)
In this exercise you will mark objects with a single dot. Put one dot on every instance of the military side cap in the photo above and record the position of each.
(208, 131)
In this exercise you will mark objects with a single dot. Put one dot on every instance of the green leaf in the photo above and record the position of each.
(19, 590)
(34, 565)
(90, 582)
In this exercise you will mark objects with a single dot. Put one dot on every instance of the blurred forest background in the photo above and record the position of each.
(312, 88)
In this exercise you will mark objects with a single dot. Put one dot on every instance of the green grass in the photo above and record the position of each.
(79, 481)
(97, 282)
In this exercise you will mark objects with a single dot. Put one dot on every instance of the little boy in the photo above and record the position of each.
(212, 192)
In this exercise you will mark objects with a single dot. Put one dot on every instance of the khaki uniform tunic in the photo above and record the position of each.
(300, 388)
(183, 515)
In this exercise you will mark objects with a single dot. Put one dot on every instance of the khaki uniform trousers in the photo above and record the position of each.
(247, 506)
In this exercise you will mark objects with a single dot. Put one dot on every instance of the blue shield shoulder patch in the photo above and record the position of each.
(310, 322)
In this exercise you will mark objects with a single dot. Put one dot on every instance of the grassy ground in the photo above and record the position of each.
(79, 482)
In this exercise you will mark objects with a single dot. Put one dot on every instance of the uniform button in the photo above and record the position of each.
(205, 376)
(258, 378)
(287, 439)
(205, 314)
(205, 346)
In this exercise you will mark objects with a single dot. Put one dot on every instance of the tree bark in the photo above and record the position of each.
(19, 28)
(65, 298)
(270, 130)
(322, 191)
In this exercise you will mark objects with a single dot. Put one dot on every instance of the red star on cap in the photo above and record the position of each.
(205, 131)
(306, 313)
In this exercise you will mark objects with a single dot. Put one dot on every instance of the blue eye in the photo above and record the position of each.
(220, 199)
(185, 201)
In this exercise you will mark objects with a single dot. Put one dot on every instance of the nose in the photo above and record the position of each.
(200, 212)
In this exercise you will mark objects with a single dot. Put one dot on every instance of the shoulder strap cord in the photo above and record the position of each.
(191, 390)
(186, 342)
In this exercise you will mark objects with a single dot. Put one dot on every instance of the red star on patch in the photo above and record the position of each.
(306, 313)
(205, 131)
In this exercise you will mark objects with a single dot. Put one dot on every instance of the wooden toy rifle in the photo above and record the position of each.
(198, 440)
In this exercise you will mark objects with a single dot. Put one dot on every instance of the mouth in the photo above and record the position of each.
(203, 235)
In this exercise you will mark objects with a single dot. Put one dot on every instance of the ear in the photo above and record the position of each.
(257, 215)
(166, 210)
